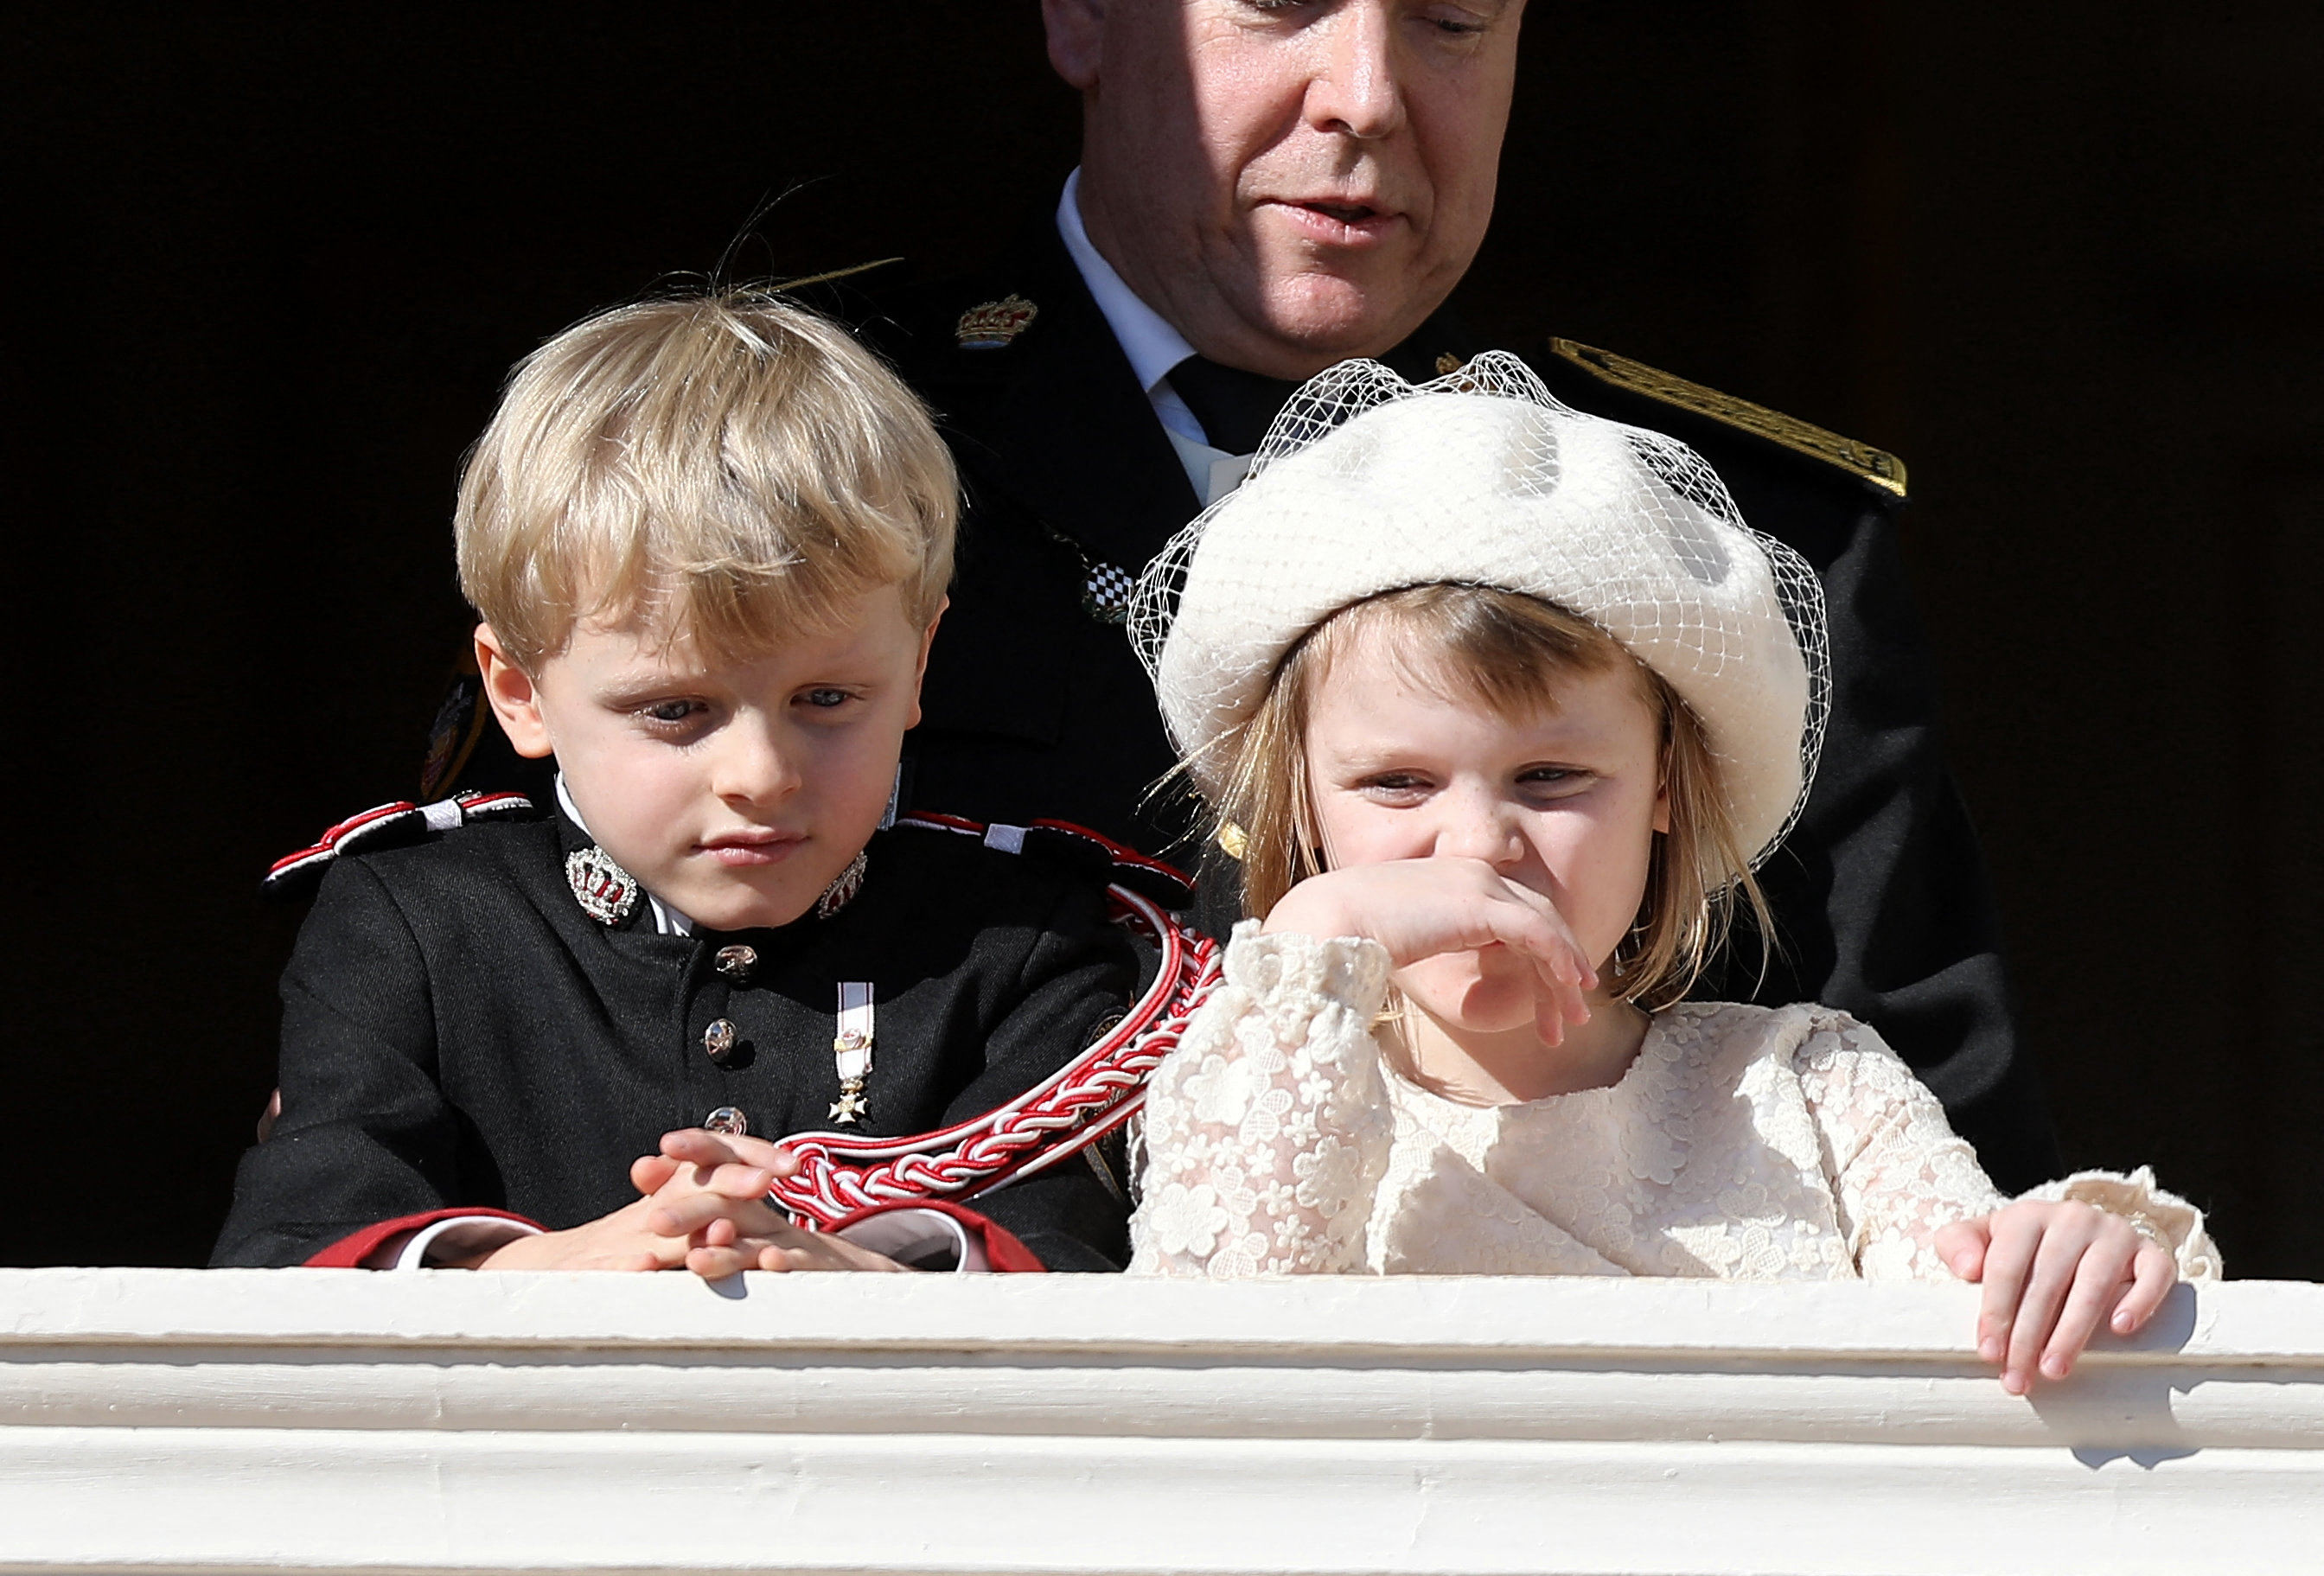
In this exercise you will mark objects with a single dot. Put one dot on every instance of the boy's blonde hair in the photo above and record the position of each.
(723, 470)
(1508, 652)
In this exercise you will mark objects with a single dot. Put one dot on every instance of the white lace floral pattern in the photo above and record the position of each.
(1744, 1143)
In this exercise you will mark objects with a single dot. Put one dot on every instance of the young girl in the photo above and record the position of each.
(1499, 704)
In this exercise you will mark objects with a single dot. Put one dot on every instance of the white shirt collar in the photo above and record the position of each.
(1153, 346)
(668, 921)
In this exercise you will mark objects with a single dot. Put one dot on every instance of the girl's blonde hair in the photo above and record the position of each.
(1508, 652)
(726, 470)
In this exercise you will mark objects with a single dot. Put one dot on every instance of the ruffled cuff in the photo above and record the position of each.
(2171, 1220)
(1284, 969)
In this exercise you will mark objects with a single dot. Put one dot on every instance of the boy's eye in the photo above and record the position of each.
(825, 697)
(670, 711)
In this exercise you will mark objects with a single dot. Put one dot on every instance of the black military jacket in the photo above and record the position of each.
(1034, 707)
(456, 1031)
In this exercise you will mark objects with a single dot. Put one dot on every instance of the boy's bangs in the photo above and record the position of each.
(729, 472)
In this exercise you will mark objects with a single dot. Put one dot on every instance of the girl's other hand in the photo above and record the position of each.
(1420, 909)
(2052, 1271)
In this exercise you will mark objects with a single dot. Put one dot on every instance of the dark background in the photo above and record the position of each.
(2067, 260)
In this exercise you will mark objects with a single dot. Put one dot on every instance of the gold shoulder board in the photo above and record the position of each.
(1882, 469)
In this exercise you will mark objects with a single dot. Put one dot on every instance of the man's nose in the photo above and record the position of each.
(1354, 90)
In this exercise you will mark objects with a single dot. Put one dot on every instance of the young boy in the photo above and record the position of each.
(709, 540)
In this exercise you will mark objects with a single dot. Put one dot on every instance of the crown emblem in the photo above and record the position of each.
(606, 891)
(993, 325)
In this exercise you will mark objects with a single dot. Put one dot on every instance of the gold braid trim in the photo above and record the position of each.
(1877, 466)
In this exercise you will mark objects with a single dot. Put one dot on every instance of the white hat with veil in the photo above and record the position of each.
(1367, 484)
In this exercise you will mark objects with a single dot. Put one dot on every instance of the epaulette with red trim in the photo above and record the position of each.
(1066, 843)
(392, 825)
(1088, 1098)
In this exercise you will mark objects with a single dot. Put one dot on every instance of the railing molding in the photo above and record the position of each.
(321, 1420)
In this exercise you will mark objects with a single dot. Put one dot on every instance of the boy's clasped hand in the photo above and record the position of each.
(703, 1208)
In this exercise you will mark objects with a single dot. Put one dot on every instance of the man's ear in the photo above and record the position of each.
(515, 702)
(920, 674)
(1076, 29)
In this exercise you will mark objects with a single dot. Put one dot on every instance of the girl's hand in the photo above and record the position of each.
(2052, 1271)
(1421, 907)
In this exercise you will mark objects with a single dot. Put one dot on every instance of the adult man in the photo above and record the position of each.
(1271, 186)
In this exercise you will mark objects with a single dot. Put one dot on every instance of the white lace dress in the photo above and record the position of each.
(1745, 1142)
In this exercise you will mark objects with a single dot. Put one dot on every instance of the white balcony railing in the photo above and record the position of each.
(318, 1420)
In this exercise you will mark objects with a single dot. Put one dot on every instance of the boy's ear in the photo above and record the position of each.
(515, 700)
(920, 674)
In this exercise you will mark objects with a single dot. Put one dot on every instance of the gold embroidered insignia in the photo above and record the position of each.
(1877, 466)
(1448, 364)
(993, 325)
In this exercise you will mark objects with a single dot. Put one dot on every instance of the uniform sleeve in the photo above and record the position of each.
(366, 1134)
(1899, 1173)
(1080, 975)
(1267, 1129)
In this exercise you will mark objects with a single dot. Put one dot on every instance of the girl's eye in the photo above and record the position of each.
(1396, 785)
(1553, 781)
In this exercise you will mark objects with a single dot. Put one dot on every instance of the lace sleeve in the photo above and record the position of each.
(1268, 1129)
(1899, 1173)
(2169, 1219)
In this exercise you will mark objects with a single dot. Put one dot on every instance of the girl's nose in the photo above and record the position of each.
(1479, 827)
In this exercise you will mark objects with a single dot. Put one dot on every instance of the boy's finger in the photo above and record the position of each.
(649, 1173)
(736, 1180)
(700, 1147)
(685, 1216)
(2153, 1274)
(718, 1263)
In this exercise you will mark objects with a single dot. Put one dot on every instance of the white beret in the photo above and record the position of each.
(1368, 484)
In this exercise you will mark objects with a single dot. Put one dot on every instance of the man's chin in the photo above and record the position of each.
(1319, 319)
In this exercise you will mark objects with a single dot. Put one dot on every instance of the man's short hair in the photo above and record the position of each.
(726, 470)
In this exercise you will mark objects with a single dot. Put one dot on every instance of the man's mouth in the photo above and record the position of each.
(1337, 222)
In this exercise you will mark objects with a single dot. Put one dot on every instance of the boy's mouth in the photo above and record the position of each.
(737, 850)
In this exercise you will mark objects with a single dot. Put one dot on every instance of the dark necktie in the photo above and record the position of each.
(1233, 406)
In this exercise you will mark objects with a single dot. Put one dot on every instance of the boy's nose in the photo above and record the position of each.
(753, 768)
